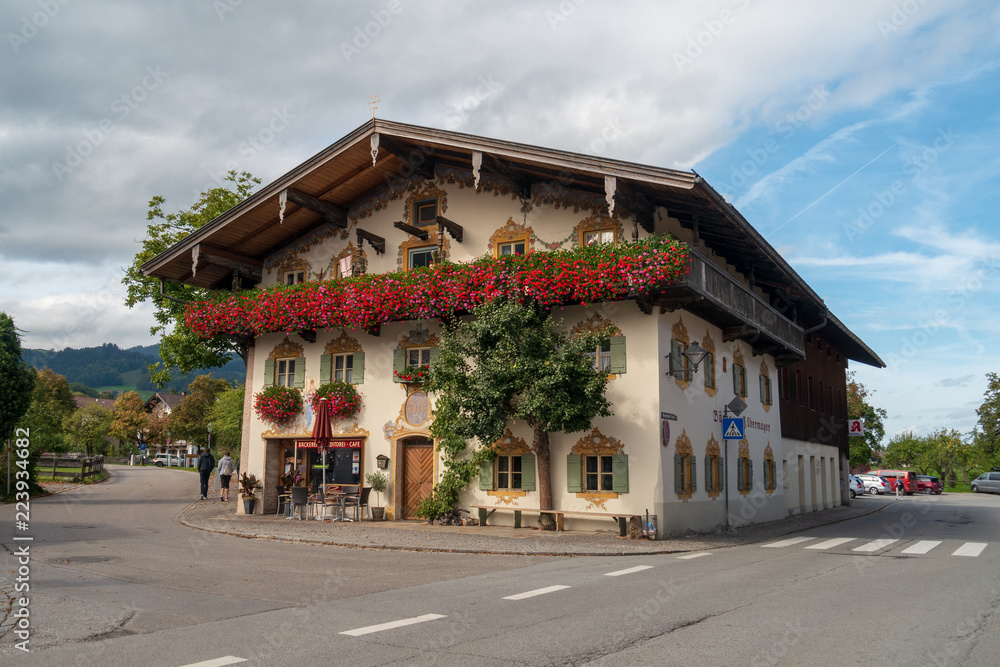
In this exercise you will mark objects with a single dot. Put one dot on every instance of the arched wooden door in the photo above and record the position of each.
(418, 474)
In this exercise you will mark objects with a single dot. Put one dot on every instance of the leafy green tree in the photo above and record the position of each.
(859, 407)
(907, 451)
(511, 362)
(51, 401)
(945, 452)
(89, 428)
(189, 420)
(179, 346)
(226, 417)
(16, 378)
(989, 422)
(132, 424)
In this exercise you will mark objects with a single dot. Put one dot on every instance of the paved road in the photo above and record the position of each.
(918, 581)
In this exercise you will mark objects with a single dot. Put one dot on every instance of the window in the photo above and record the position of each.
(293, 277)
(424, 256)
(599, 475)
(715, 473)
(510, 248)
(798, 388)
(599, 236)
(811, 392)
(744, 474)
(508, 472)
(346, 367)
(765, 390)
(414, 357)
(343, 367)
(418, 356)
(602, 357)
(709, 365)
(685, 479)
(770, 476)
(739, 380)
(678, 362)
(284, 372)
(425, 212)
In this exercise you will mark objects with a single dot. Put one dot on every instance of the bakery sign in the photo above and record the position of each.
(334, 444)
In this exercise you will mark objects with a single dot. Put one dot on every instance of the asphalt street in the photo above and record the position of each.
(118, 580)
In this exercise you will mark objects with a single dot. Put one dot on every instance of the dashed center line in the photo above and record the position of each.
(637, 568)
(218, 662)
(392, 624)
(537, 591)
(695, 555)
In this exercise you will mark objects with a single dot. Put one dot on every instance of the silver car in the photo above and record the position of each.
(855, 486)
(988, 482)
(875, 485)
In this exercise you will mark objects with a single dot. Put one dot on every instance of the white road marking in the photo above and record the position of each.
(695, 555)
(637, 568)
(537, 591)
(392, 624)
(218, 662)
(874, 545)
(787, 543)
(921, 547)
(829, 544)
(971, 549)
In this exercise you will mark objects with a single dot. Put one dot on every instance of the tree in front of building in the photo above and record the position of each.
(179, 346)
(226, 417)
(511, 362)
(132, 425)
(51, 402)
(988, 441)
(88, 429)
(190, 419)
(859, 407)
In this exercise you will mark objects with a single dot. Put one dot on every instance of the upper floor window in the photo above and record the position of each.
(510, 248)
(284, 372)
(342, 367)
(599, 236)
(293, 277)
(418, 356)
(709, 365)
(765, 390)
(425, 212)
(602, 357)
(423, 256)
(739, 380)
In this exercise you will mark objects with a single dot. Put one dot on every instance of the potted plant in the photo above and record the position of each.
(248, 485)
(412, 374)
(379, 482)
(342, 399)
(278, 404)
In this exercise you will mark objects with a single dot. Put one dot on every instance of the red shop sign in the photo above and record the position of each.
(334, 444)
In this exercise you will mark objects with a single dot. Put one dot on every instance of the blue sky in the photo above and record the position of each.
(859, 137)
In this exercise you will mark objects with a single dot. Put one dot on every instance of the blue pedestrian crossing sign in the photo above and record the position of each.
(732, 428)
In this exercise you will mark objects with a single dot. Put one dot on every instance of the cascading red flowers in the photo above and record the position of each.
(342, 399)
(278, 404)
(593, 274)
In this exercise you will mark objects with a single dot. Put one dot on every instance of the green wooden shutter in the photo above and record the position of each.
(618, 355)
(722, 475)
(574, 483)
(675, 357)
(677, 474)
(763, 389)
(528, 472)
(325, 362)
(736, 379)
(694, 474)
(740, 477)
(743, 381)
(709, 364)
(619, 473)
(358, 373)
(708, 474)
(486, 476)
(435, 353)
(300, 373)
(398, 362)
(268, 372)
(750, 481)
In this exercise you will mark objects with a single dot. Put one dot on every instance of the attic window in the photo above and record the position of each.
(293, 277)
(425, 212)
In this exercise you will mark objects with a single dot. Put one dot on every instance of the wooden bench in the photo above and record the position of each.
(486, 511)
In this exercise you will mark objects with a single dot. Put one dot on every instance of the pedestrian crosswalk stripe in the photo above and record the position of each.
(971, 549)
(921, 547)
(787, 543)
(874, 545)
(829, 544)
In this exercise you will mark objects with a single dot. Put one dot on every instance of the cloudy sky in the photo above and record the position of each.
(859, 136)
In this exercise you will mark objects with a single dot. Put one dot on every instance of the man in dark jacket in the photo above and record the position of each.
(206, 464)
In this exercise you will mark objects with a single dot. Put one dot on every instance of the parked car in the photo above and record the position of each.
(161, 460)
(929, 484)
(908, 477)
(988, 482)
(875, 485)
(855, 486)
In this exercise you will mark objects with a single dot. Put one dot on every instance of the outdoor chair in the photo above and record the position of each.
(359, 501)
(300, 500)
(283, 498)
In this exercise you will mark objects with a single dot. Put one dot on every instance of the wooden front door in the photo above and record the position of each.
(418, 474)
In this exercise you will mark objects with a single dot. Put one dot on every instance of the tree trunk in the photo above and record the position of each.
(543, 469)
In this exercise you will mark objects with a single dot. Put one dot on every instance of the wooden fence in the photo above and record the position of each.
(83, 467)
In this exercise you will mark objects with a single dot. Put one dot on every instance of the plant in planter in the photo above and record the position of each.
(248, 486)
(342, 399)
(379, 482)
(290, 479)
(412, 374)
(278, 404)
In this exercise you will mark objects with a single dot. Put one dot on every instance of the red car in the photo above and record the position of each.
(927, 484)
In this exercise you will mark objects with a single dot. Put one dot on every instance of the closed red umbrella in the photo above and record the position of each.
(322, 433)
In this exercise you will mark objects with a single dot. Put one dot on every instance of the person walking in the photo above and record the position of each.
(206, 464)
(226, 467)
(899, 488)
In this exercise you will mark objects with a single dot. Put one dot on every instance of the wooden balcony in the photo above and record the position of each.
(711, 293)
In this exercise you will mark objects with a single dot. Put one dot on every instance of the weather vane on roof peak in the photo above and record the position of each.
(374, 104)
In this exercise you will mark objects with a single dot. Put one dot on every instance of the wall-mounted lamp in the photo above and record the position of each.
(694, 354)
(382, 461)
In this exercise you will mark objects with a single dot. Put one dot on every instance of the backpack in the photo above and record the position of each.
(226, 466)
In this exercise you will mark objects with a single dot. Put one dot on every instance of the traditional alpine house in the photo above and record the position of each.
(735, 322)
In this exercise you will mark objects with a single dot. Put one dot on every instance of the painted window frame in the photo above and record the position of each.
(598, 236)
(685, 474)
(429, 250)
(765, 390)
(739, 380)
(293, 277)
(422, 204)
(513, 243)
(284, 371)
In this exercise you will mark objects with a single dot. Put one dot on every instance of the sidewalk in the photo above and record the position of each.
(419, 536)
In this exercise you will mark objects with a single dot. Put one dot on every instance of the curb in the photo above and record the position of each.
(498, 552)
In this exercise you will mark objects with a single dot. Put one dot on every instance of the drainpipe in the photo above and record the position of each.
(171, 298)
(826, 316)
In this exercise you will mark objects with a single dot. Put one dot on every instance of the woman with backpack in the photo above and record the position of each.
(226, 467)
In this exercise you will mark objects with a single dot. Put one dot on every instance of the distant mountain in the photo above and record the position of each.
(109, 366)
